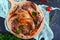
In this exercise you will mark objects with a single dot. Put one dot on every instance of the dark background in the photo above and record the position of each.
(54, 18)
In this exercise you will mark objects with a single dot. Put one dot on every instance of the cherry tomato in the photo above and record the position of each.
(43, 0)
(49, 8)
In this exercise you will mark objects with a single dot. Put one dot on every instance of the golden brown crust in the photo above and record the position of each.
(14, 14)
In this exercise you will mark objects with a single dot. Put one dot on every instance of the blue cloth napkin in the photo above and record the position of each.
(46, 33)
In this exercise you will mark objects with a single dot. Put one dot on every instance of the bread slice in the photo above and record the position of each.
(23, 12)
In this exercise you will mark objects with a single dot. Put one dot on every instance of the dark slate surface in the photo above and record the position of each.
(55, 24)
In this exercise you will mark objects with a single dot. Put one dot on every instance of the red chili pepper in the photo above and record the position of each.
(43, 0)
(49, 8)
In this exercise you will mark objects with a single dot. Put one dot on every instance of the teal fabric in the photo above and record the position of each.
(3, 8)
(46, 33)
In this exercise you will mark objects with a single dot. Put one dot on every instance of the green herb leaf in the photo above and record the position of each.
(34, 13)
(8, 37)
(19, 31)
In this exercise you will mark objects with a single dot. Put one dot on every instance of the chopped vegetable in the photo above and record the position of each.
(49, 8)
(19, 31)
(34, 13)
